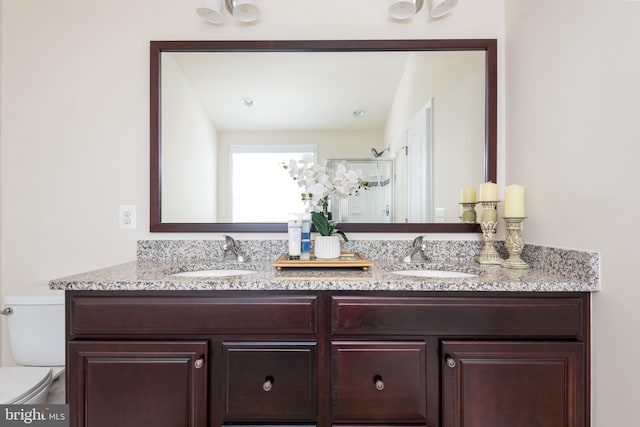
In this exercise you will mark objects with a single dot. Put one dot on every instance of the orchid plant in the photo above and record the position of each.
(322, 185)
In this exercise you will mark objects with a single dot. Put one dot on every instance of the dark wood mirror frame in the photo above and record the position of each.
(157, 47)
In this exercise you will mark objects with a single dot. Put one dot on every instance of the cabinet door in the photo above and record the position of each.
(137, 383)
(513, 384)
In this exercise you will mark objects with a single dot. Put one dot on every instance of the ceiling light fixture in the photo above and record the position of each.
(249, 11)
(211, 11)
(243, 10)
(442, 7)
(404, 9)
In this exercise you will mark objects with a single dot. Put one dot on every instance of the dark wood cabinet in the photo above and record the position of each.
(138, 383)
(513, 384)
(328, 359)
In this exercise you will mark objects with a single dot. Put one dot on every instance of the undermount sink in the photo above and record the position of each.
(214, 273)
(434, 273)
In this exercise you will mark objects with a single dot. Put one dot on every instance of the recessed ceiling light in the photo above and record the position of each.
(247, 101)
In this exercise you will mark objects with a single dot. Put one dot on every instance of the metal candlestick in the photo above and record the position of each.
(489, 224)
(468, 215)
(514, 244)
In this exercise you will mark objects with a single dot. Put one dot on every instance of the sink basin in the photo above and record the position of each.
(434, 273)
(213, 273)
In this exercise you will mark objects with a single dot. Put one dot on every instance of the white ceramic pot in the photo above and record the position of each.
(327, 247)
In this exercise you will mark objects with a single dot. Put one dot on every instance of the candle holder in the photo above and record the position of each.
(468, 215)
(489, 224)
(514, 244)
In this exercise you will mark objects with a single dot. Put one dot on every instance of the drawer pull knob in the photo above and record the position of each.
(379, 384)
(198, 363)
(451, 362)
(267, 385)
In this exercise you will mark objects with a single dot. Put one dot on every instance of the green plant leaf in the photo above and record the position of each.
(341, 233)
(326, 227)
(321, 223)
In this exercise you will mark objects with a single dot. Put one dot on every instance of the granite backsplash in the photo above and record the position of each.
(583, 266)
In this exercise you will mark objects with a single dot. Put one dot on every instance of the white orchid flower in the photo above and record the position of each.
(321, 184)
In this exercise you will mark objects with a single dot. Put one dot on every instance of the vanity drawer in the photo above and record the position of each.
(269, 381)
(106, 315)
(378, 381)
(460, 316)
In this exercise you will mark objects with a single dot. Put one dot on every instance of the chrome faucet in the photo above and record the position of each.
(418, 248)
(231, 248)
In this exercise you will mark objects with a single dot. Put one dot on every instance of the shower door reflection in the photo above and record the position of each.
(374, 204)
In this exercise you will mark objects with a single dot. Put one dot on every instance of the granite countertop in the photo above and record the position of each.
(157, 275)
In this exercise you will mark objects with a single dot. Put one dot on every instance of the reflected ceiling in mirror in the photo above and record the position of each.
(346, 99)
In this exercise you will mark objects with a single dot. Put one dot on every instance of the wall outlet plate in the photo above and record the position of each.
(127, 217)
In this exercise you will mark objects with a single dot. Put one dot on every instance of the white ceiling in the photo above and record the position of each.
(294, 90)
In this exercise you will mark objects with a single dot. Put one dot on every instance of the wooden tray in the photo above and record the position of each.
(350, 260)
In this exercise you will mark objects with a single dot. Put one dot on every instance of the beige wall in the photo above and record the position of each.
(74, 141)
(189, 152)
(573, 109)
(456, 89)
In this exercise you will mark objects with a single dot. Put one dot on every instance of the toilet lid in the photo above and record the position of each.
(19, 381)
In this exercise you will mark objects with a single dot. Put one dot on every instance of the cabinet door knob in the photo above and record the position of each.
(451, 362)
(198, 363)
(267, 385)
(379, 384)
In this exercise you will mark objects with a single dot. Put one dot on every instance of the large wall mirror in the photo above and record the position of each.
(416, 117)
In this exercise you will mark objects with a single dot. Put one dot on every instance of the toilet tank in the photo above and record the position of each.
(36, 329)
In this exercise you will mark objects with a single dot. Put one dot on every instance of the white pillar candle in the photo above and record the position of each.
(468, 195)
(514, 201)
(488, 192)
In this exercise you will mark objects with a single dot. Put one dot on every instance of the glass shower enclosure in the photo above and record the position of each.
(373, 203)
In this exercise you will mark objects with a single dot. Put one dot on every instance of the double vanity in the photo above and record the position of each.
(148, 344)
(179, 338)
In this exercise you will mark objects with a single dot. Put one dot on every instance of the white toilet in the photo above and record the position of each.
(36, 334)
